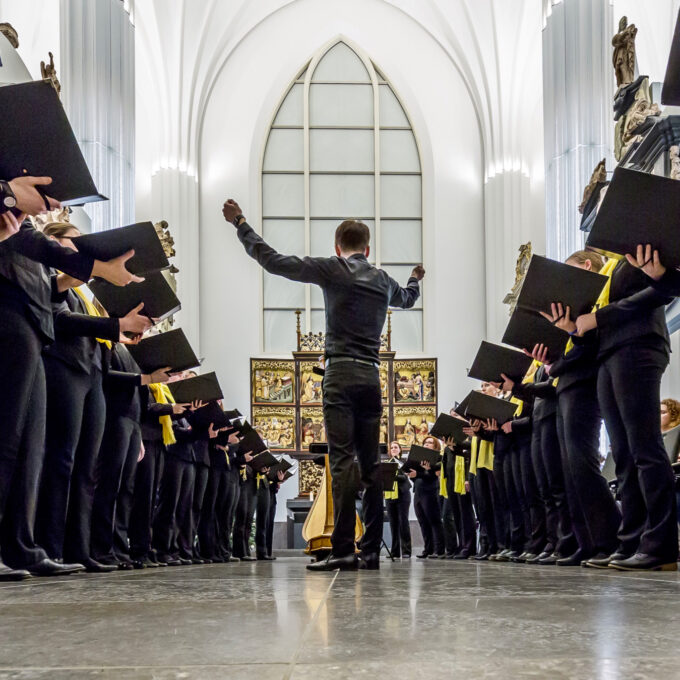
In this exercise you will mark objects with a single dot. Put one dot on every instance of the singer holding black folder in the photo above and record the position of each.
(357, 296)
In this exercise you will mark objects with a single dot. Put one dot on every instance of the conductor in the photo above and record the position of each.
(356, 296)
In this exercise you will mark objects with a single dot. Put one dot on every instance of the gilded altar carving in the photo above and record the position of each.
(273, 382)
(309, 477)
(674, 156)
(310, 383)
(521, 267)
(276, 425)
(599, 175)
(312, 427)
(415, 380)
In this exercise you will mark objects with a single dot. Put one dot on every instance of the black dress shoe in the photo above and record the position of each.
(642, 562)
(207, 560)
(450, 556)
(602, 560)
(482, 557)
(406, 556)
(437, 556)
(218, 559)
(94, 567)
(518, 558)
(265, 558)
(197, 560)
(370, 562)
(529, 557)
(533, 559)
(108, 559)
(48, 567)
(169, 560)
(185, 561)
(9, 574)
(550, 559)
(248, 558)
(141, 564)
(572, 560)
(231, 558)
(544, 554)
(346, 563)
(462, 555)
(423, 555)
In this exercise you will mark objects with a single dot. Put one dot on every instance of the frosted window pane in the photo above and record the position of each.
(317, 297)
(283, 195)
(323, 239)
(290, 111)
(286, 236)
(341, 63)
(285, 150)
(391, 113)
(398, 151)
(400, 196)
(279, 331)
(407, 331)
(342, 196)
(280, 292)
(401, 274)
(342, 150)
(318, 321)
(401, 241)
(342, 105)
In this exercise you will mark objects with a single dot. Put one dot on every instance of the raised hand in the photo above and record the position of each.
(134, 322)
(508, 384)
(585, 323)
(115, 271)
(195, 405)
(560, 317)
(9, 225)
(418, 272)
(160, 375)
(647, 259)
(29, 199)
(231, 210)
(539, 353)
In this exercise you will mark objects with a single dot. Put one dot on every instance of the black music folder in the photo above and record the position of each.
(204, 387)
(155, 292)
(492, 360)
(418, 454)
(461, 406)
(251, 442)
(262, 460)
(141, 237)
(318, 448)
(670, 93)
(485, 407)
(447, 426)
(282, 466)
(548, 281)
(527, 329)
(36, 139)
(388, 474)
(165, 349)
(211, 413)
(638, 208)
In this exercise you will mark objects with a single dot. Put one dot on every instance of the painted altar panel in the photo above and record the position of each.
(276, 425)
(310, 383)
(272, 382)
(312, 427)
(412, 424)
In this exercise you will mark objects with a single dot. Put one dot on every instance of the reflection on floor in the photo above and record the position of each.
(410, 620)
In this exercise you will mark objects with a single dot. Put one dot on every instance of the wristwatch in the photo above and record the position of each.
(7, 198)
(238, 218)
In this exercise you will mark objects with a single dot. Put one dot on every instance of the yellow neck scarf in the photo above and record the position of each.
(163, 395)
(474, 451)
(459, 479)
(442, 480)
(91, 310)
(394, 493)
(520, 406)
(485, 456)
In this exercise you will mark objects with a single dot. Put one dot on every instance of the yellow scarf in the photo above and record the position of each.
(244, 474)
(485, 457)
(260, 478)
(459, 479)
(163, 395)
(474, 450)
(520, 406)
(603, 300)
(442, 479)
(91, 310)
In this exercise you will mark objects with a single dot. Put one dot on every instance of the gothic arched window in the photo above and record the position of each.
(340, 147)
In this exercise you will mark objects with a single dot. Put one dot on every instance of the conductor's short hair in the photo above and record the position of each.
(352, 236)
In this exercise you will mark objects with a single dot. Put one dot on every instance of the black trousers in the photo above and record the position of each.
(490, 513)
(200, 486)
(449, 525)
(628, 388)
(352, 407)
(144, 499)
(230, 493)
(22, 437)
(117, 459)
(426, 505)
(270, 521)
(530, 499)
(464, 516)
(397, 513)
(207, 529)
(174, 505)
(595, 518)
(243, 519)
(76, 416)
(263, 502)
(509, 499)
(121, 520)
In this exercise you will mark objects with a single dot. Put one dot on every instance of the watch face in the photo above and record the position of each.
(9, 201)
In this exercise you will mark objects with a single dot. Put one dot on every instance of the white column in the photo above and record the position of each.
(578, 91)
(98, 91)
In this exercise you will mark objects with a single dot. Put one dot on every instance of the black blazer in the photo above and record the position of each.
(542, 392)
(25, 284)
(183, 449)
(152, 430)
(122, 385)
(635, 312)
(76, 333)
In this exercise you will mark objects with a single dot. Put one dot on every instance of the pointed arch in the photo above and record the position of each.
(340, 145)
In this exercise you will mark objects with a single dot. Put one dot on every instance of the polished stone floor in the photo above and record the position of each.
(267, 621)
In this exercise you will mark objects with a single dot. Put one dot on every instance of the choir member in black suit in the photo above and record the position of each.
(244, 513)
(457, 456)
(398, 505)
(262, 510)
(229, 495)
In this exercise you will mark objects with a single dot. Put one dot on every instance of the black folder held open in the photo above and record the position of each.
(527, 329)
(484, 407)
(204, 387)
(447, 426)
(165, 349)
(492, 360)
